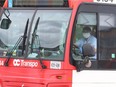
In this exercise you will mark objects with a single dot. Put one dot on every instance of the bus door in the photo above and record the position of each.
(98, 70)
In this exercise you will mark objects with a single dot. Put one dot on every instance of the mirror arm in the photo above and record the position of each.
(81, 63)
(79, 66)
(7, 15)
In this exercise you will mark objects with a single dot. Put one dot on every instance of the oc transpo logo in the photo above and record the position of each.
(18, 62)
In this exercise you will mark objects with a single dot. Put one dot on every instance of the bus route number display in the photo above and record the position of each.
(106, 1)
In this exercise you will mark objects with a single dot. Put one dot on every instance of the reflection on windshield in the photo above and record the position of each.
(19, 18)
(50, 33)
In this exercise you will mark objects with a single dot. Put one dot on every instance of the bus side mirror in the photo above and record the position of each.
(5, 23)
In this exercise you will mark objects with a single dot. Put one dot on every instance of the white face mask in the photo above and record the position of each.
(86, 35)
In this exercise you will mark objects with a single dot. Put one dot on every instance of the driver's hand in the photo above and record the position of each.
(88, 65)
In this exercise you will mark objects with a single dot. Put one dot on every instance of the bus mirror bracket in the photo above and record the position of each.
(82, 62)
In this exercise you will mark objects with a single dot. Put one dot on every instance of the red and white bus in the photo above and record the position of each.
(36, 43)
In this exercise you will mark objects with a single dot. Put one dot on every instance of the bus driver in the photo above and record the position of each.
(87, 39)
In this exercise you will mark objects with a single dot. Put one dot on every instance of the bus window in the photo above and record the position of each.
(107, 36)
(85, 35)
(85, 20)
(103, 27)
(107, 40)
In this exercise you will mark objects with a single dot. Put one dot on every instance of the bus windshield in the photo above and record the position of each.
(50, 33)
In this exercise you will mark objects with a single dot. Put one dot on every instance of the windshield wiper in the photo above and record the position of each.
(13, 49)
(25, 37)
(17, 44)
(34, 36)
